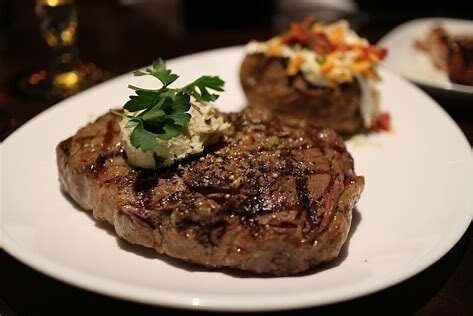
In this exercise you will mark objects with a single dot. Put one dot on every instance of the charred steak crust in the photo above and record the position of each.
(272, 197)
(266, 84)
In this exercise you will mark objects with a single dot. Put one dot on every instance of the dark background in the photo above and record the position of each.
(119, 36)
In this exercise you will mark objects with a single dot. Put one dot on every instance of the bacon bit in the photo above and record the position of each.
(298, 33)
(345, 47)
(372, 53)
(378, 52)
(382, 123)
(321, 43)
(294, 65)
(295, 36)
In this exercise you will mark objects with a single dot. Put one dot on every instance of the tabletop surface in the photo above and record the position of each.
(119, 36)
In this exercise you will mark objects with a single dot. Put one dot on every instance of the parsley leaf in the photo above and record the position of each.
(139, 102)
(159, 71)
(202, 84)
(142, 138)
(163, 113)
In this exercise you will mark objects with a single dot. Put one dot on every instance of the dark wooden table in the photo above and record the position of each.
(119, 38)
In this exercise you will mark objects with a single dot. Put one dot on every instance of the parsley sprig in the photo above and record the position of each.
(162, 113)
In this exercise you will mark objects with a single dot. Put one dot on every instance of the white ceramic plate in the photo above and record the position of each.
(416, 205)
(416, 65)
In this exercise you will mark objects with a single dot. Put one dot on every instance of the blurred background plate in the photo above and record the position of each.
(415, 65)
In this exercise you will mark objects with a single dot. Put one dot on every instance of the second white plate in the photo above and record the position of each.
(404, 59)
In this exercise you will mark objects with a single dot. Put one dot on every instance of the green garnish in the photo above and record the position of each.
(321, 59)
(164, 111)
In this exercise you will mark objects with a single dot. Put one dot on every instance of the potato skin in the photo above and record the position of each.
(266, 84)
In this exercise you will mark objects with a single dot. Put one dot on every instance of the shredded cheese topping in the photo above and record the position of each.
(326, 54)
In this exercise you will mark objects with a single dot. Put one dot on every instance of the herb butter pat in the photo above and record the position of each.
(164, 125)
(205, 127)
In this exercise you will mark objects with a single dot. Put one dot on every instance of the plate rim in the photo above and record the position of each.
(215, 302)
(444, 86)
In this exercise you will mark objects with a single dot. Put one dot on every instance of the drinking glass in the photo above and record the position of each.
(66, 73)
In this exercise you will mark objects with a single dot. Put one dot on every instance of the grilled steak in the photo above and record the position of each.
(272, 197)
(266, 84)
